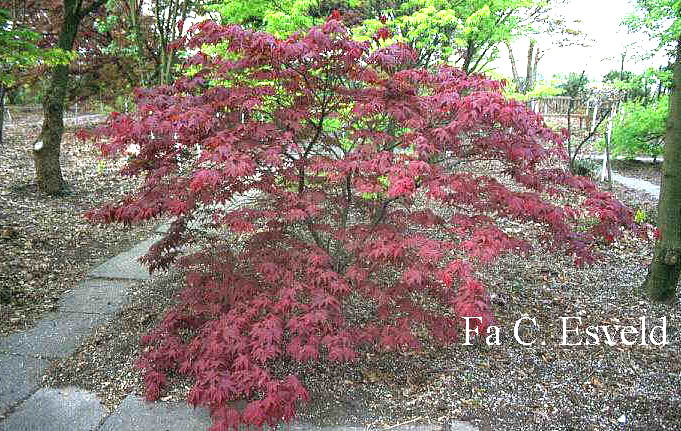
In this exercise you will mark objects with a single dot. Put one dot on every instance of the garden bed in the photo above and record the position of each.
(506, 387)
(47, 245)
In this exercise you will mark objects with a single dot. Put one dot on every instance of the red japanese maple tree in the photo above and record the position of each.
(318, 174)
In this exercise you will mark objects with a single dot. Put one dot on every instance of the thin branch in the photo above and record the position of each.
(593, 132)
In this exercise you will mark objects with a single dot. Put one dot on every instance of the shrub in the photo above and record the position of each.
(641, 130)
(586, 167)
(631, 86)
(360, 181)
(574, 85)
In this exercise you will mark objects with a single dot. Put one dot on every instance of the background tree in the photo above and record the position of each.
(46, 151)
(463, 33)
(640, 87)
(280, 18)
(45, 18)
(641, 129)
(66, 28)
(575, 86)
(534, 55)
(546, 29)
(661, 18)
(19, 52)
(466, 34)
(144, 31)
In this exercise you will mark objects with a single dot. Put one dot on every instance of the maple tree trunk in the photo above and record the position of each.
(468, 56)
(165, 67)
(664, 271)
(47, 150)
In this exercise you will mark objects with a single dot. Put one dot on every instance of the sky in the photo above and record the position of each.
(600, 21)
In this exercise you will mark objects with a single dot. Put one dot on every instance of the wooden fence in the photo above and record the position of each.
(559, 106)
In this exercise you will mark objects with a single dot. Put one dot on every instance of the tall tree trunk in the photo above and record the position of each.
(468, 57)
(664, 271)
(537, 56)
(136, 29)
(514, 67)
(165, 68)
(528, 71)
(47, 150)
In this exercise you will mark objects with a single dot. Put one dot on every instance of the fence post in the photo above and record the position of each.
(584, 117)
(606, 169)
(592, 129)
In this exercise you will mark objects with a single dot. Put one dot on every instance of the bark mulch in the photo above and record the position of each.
(46, 244)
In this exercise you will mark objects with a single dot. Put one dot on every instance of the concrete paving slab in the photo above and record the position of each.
(461, 426)
(65, 409)
(396, 427)
(659, 159)
(134, 414)
(96, 296)
(126, 265)
(638, 184)
(55, 336)
(19, 377)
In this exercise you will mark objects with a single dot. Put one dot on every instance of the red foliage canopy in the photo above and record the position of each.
(357, 180)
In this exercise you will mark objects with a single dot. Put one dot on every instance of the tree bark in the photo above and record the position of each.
(528, 71)
(468, 57)
(537, 56)
(47, 150)
(136, 29)
(664, 271)
(514, 67)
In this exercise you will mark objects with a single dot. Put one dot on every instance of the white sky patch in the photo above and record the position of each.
(600, 20)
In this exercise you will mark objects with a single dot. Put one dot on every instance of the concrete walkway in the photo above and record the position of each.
(24, 356)
(638, 184)
(634, 183)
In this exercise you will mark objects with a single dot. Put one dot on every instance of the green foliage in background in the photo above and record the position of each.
(467, 34)
(19, 51)
(659, 19)
(541, 90)
(574, 84)
(464, 33)
(280, 18)
(639, 87)
(641, 129)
